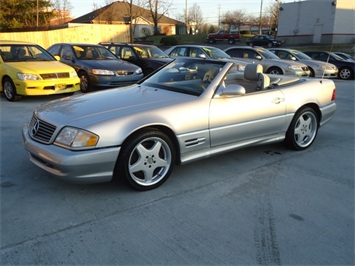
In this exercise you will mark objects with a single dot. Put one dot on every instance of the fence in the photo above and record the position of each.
(81, 33)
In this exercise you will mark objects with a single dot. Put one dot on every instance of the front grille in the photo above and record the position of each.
(55, 75)
(40, 130)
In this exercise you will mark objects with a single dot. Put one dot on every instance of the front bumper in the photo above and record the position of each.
(88, 166)
(46, 87)
(114, 81)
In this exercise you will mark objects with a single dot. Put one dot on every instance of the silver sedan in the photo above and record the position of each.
(271, 63)
(190, 109)
(319, 69)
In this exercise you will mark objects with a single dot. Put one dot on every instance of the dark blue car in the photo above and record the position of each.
(346, 68)
(96, 66)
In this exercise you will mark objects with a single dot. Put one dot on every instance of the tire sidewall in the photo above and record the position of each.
(128, 147)
(83, 75)
(8, 82)
(348, 70)
(290, 134)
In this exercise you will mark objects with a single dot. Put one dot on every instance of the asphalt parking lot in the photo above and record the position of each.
(265, 205)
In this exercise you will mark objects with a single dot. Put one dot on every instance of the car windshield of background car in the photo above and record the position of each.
(267, 54)
(148, 52)
(185, 76)
(86, 52)
(216, 53)
(300, 55)
(19, 53)
(337, 57)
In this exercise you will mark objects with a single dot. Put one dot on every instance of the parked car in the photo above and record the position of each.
(263, 40)
(346, 68)
(96, 66)
(319, 69)
(27, 69)
(188, 110)
(148, 57)
(271, 63)
(223, 35)
(202, 51)
(345, 56)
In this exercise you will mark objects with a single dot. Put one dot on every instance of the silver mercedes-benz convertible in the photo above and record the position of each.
(188, 110)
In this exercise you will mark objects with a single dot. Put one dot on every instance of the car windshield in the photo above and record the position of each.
(267, 54)
(20, 53)
(93, 52)
(215, 53)
(337, 57)
(300, 55)
(187, 76)
(150, 52)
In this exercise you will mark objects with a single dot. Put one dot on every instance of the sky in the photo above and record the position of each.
(211, 9)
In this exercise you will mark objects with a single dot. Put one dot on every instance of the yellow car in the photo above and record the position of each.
(28, 69)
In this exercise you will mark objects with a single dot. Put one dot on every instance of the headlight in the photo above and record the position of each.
(73, 74)
(76, 138)
(294, 67)
(24, 76)
(138, 71)
(103, 72)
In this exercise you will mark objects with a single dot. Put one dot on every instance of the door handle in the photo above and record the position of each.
(278, 100)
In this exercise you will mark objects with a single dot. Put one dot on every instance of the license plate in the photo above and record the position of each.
(60, 86)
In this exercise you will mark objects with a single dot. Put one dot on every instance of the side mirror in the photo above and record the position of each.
(57, 57)
(233, 90)
(258, 57)
(293, 58)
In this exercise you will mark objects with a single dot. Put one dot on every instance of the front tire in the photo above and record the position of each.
(84, 82)
(345, 73)
(231, 41)
(9, 90)
(147, 159)
(303, 129)
(275, 71)
(211, 40)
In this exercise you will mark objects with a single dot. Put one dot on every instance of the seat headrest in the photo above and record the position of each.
(251, 71)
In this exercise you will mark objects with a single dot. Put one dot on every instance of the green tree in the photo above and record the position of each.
(24, 13)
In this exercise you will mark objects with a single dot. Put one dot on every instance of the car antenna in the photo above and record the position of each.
(331, 49)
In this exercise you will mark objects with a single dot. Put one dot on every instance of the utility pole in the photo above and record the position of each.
(219, 16)
(186, 16)
(261, 16)
(37, 15)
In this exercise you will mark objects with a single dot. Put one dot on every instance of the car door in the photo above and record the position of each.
(247, 118)
(67, 56)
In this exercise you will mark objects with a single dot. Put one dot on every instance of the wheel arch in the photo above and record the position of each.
(315, 108)
(164, 129)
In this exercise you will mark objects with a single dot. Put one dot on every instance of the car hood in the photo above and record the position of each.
(41, 66)
(161, 60)
(109, 64)
(85, 110)
(286, 62)
(316, 62)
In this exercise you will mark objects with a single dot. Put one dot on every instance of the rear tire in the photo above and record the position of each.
(303, 129)
(146, 159)
(231, 41)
